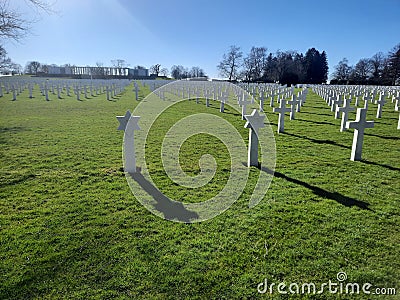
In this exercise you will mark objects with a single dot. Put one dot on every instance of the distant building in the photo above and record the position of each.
(138, 72)
(204, 78)
(55, 70)
(96, 72)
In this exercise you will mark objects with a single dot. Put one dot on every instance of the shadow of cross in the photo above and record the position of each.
(342, 199)
(172, 210)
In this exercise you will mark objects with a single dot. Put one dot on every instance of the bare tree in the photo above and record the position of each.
(231, 61)
(342, 71)
(119, 63)
(362, 70)
(155, 69)
(5, 62)
(13, 25)
(377, 61)
(178, 72)
(16, 68)
(255, 63)
(44, 68)
(32, 67)
(197, 72)
(164, 72)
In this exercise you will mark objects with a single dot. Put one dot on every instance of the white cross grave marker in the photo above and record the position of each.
(14, 93)
(262, 101)
(359, 125)
(78, 92)
(271, 103)
(398, 124)
(281, 119)
(46, 91)
(207, 95)
(254, 122)
(335, 103)
(30, 88)
(293, 103)
(223, 100)
(366, 101)
(243, 103)
(136, 91)
(129, 124)
(381, 102)
(108, 92)
(345, 109)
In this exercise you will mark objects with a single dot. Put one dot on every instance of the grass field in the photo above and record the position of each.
(70, 227)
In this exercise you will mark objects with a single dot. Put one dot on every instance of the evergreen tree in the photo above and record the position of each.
(324, 67)
(392, 70)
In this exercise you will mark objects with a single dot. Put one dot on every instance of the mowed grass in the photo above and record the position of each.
(71, 228)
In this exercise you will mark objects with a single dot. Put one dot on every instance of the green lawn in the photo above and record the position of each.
(70, 227)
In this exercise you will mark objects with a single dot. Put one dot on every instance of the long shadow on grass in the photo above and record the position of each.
(344, 200)
(316, 122)
(328, 142)
(17, 180)
(380, 165)
(395, 138)
(171, 210)
(320, 114)
(217, 107)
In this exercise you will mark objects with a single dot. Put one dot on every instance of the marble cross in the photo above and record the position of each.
(46, 91)
(398, 124)
(108, 92)
(129, 124)
(30, 88)
(243, 103)
(359, 125)
(58, 92)
(281, 119)
(396, 98)
(223, 100)
(337, 102)
(136, 91)
(78, 92)
(293, 104)
(262, 101)
(358, 95)
(345, 109)
(381, 102)
(331, 100)
(271, 103)
(366, 101)
(254, 122)
(207, 95)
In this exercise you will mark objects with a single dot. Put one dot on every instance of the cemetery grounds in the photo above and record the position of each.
(70, 227)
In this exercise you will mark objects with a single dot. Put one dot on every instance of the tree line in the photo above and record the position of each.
(177, 72)
(380, 69)
(285, 67)
(7, 66)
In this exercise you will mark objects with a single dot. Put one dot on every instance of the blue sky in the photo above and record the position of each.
(198, 33)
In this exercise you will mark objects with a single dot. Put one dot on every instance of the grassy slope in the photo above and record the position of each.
(71, 228)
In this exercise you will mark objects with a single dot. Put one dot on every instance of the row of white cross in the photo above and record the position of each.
(16, 86)
(340, 104)
(337, 96)
(223, 93)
